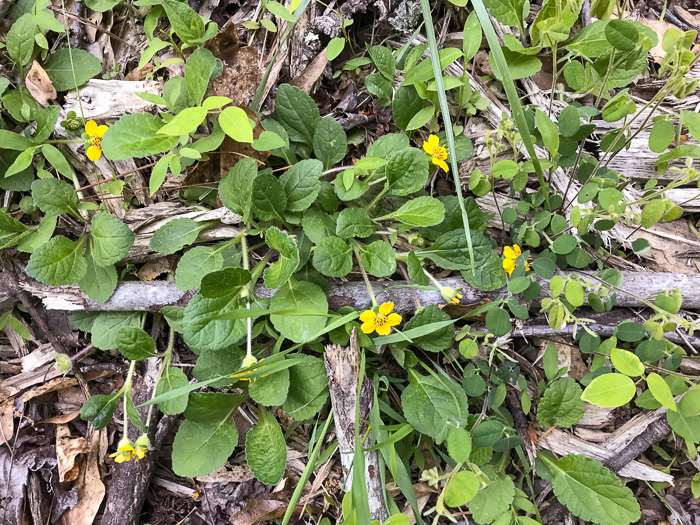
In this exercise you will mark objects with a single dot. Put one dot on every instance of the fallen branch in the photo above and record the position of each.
(343, 368)
(151, 296)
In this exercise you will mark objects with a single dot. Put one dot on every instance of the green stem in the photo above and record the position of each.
(249, 321)
(364, 274)
(127, 392)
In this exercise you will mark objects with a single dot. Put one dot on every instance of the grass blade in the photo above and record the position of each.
(445, 110)
(516, 107)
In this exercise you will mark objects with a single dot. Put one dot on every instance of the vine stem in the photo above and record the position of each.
(364, 275)
(164, 364)
(127, 392)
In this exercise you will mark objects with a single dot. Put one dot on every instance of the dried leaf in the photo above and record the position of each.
(91, 490)
(262, 510)
(228, 474)
(7, 422)
(306, 80)
(155, 268)
(39, 85)
(67, 448)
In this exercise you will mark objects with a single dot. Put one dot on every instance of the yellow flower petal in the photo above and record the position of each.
(386, 308)
(367, 327)
(367, 315)
(509, 265)
(428, 148)
(94, 153)
(434, 141)
(101, 130)
(517, 250)
(384, 329)
(126, 448)
(91, 127)
(393, 319)
(509, 253)
(442, 164)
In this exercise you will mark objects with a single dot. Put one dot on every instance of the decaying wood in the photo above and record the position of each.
(562, 443)
(343, 369)
(128, 487)
(151, 296)
(145, 221)
(107, 100)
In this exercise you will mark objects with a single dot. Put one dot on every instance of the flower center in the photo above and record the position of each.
(440, 153)
(96, 141)
(381, 320)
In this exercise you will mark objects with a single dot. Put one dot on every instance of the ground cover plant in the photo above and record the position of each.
(309, 263)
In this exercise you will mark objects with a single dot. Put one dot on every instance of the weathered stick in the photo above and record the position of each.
(343, 369)
(151, 296)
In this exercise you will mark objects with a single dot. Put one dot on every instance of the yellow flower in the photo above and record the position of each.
(95, 132)
(381, 323)
(248, 361)
(142, 445)
(510, 255)
(439, 153)
(126, 451)
(450, 294)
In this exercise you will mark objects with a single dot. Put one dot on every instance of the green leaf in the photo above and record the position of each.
(265, 449)
(215, 363)
(459, 444)
(107, 325)
(308, 390)
(548, 130)
(270, 390)
(564, 244)
(686, 427)
(176, 234)
(57, 262)
(591, 492)
(333, 257)
(280, 271)
(508, 12)
(450, 250)
(63, 64)
(45, 124)
(334, 48)
(381, 87)
(205, 407)
(198, 70)
(661, 136)
(378, 259)
(498, 322)
(136, 135)
(492, 500)
(561, 405)
(20, 40)
(299, 294)
(437, 340)
(406, 104)
(626, 362)
(574, 293)
(57, 160)
(519, 65)
(201, 448)
(195, 264)
(269, 197)
(236, 188)
(622, 35)
(415, 270)
(99, 409)
(330, 142)
(172, 379)
(234, 121)
(422, 211)
(279, 10)
(472, 36)
(609, 390)
(384, 60)
(54, 197)
(630, 332)
(20, 104)
(301, 184)
(135, 344)
(98, 282)
(111, 239)
(487, 276)
(434, 405)
(569, 121)
(297, 112)
(201, 330)
(15, 141)
(407, 171)
(660, 390)
(269, 140)
(225, 283)
(461, 488)
(185, 122)
(354, 222)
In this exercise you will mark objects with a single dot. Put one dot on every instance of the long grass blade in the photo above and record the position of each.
(449, 133)
(516, 107)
